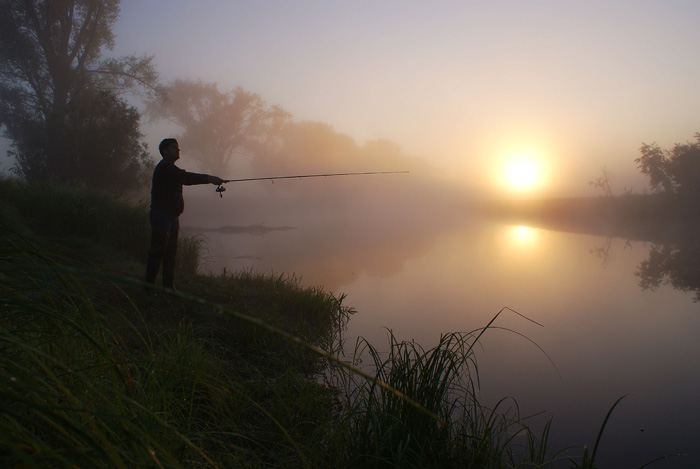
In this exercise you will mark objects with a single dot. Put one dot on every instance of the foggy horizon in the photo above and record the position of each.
(465, 87)
(482, 92)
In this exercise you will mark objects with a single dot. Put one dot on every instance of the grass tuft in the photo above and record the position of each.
(382, 428)
(190, 251)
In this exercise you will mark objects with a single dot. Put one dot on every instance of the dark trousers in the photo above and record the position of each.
(164, 232)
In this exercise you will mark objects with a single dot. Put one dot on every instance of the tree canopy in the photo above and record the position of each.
(675, 171)
(60, 100)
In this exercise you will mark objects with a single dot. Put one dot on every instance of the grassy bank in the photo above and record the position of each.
(239, 370)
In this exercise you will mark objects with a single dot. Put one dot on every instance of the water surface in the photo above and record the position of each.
(606, 336)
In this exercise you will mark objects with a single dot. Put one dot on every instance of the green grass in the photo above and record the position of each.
(65, 214)
(456, 431)
(95, 373)
(92, 375)
(189, 254)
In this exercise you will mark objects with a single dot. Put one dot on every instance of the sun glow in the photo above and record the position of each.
(520, 166)
(522, 171)
(522, 235)
(522, 241)
(522, 174)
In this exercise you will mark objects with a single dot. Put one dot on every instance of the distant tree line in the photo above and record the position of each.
(62, 107)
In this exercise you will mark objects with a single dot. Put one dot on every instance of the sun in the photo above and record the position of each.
(520, 168)
(522, 173)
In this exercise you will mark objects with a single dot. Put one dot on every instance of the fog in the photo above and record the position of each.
(460, 85)
(464, 87)
(330, 229)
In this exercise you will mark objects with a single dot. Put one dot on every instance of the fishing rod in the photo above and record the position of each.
(220, 189)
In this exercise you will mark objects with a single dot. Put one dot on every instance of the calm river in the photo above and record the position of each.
(606, 336)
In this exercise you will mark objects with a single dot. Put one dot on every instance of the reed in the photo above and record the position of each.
(444, 423)
(384, 430)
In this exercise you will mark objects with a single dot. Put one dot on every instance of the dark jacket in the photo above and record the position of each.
(166, 187)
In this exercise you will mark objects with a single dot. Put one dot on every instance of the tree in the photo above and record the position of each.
(653, 164)
(603, 182)
(51, 72)
(677, 170)
(217, 125)
(107, 149)
(684, 168)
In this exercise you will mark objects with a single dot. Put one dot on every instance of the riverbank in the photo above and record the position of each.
(238, 370)
(97, 372)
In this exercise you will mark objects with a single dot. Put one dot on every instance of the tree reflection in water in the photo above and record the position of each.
(604, 251)
(675, 264)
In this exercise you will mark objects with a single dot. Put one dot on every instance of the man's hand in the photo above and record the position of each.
(216, 180)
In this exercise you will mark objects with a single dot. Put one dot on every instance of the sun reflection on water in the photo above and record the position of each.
(523, 236)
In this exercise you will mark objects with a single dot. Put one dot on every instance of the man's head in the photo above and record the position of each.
(169, 149)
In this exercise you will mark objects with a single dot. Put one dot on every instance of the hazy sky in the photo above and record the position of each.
(465, 84)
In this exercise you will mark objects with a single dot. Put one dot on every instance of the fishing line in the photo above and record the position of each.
(220, 189)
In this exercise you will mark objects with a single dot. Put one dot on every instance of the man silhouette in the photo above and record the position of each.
(167, 204)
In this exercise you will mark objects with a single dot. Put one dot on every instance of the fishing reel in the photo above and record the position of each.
(220, 190)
